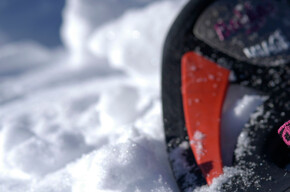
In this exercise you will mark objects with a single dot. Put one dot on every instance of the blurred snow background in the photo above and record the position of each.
(80, 95)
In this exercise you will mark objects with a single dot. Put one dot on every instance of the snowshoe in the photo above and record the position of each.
(211, 45)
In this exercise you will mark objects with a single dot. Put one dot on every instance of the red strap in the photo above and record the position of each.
(204, 85)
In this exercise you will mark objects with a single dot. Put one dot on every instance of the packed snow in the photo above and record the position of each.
(86, 116)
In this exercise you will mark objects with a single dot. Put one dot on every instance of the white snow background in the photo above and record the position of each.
(86, 116)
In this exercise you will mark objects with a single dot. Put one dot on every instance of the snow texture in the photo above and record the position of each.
(76, 119)
(197, 141)
(86, 116)
(239, 103)
(181, 167)
(216, 183)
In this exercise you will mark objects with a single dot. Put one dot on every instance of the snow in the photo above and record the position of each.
(181, 167)
(73, 120)
(116, 40)
(243, 145)
(216, 183)
(197, 141)
(86, 116)
(240, 102)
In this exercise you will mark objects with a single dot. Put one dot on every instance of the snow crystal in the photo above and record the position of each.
(197, 142)
(217, 182)
(243, 145)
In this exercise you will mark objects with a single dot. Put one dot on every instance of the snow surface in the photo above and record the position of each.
(87, 117)
(75, 119)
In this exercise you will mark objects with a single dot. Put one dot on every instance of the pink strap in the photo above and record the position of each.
(285, 128)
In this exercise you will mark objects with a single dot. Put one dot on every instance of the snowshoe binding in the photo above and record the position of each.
(211, 45)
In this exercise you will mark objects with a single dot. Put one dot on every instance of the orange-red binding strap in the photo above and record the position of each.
(204, 85)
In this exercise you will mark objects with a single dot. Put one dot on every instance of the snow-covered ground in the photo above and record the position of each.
(86, 116)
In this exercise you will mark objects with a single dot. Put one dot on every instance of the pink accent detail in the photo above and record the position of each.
(256, 17)
(222, 31)
(286, 130)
